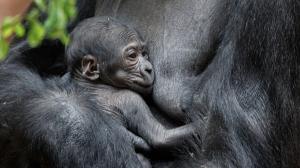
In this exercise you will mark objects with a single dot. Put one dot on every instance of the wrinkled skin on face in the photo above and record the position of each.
(111, 53)
(132, 69)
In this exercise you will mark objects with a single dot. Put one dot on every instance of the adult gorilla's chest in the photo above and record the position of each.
(180, 36)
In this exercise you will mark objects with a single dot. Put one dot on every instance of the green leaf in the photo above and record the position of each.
(70, 9)
(20, 30)
(62, 19)
(65, 39)
(33, 15)
(41, 5)
(8, 26)
(3, 48)
(59, 14)
(36, 34)
(7, 31)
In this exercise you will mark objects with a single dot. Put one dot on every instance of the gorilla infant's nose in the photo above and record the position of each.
(149, 70)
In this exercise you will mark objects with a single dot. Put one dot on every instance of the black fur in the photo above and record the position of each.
(240, 76)
(55, 123)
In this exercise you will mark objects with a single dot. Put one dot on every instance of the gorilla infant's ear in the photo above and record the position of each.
(90, 67)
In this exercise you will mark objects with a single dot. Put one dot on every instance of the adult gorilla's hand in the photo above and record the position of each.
(140, 145)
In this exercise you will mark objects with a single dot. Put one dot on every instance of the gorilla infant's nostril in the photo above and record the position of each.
(149, 70)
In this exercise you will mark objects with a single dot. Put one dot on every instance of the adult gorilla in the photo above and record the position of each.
(232, 63)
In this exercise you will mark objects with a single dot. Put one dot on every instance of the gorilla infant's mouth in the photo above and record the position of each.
(143, 84)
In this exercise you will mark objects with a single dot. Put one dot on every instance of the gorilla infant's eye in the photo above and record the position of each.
(133, 55)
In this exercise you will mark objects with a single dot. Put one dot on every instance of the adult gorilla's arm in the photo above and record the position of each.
(52, 123)
(251, 88)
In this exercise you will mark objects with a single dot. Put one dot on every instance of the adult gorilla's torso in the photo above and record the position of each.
(181, 38)
(225, 63)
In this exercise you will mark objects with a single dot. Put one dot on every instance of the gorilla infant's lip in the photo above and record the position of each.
(143, 84)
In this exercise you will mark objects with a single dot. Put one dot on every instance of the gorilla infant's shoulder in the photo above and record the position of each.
(119, 98)
(128, 94)
(128, 97)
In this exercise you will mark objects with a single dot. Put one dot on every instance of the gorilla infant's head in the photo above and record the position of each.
(104, 50)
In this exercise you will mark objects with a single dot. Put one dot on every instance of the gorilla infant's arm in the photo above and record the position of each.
(109, 58)
(140, 120)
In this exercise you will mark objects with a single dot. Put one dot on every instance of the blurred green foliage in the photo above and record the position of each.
(59, 13)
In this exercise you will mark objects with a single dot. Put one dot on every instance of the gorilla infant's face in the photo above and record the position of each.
(132, 69)
(121, 59)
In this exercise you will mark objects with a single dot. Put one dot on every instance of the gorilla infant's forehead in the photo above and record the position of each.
(122, 36)
(106, 33)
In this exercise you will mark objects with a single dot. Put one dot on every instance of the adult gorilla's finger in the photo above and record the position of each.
(139, 143)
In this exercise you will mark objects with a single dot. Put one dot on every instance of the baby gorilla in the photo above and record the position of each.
(110, 59)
